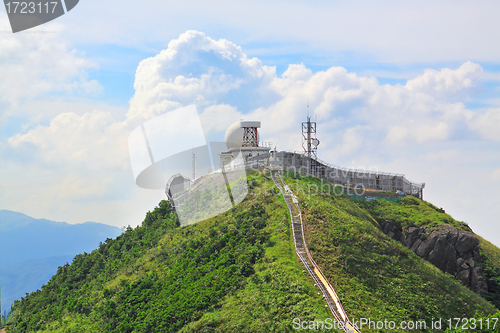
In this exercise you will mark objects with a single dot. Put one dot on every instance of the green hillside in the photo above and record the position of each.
(490, 255)
(378, 277)
(238, 272)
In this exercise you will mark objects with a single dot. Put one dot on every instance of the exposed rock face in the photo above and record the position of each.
(449, 249)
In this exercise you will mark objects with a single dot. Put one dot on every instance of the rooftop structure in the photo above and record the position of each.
(242, 138)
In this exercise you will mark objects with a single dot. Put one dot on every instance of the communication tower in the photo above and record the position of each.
(310, 143)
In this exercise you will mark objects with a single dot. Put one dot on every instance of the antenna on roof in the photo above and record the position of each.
(194, 165)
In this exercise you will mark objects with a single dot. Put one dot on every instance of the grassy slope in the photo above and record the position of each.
(375, 276)
(279, 291)
(411, 211)
(490, 255)
(158, 278)
(253, 283)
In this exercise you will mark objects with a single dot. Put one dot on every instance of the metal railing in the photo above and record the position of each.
(368, 179)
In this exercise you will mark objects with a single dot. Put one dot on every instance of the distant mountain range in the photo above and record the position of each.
(32, 250)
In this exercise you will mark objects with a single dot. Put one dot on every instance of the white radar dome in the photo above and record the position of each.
(234, 134)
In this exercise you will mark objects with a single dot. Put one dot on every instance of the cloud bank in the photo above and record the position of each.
(422, 128)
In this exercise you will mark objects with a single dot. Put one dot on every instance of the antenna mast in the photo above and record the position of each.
(194, 166)
(310, 143)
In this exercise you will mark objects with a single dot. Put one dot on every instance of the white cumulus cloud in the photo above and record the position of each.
(396, 127)
(448, 83)
(227, 86)
(195, 68)
(487, 124)
(35, 64)
(88, 142)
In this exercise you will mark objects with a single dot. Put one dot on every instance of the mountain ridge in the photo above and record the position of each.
(34, 248)
(9, 216)
(238, 272)
(47, 238)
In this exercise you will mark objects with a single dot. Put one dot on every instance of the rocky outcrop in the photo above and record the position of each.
(451, 250)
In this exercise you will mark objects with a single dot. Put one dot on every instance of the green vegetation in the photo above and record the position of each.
(238, 272)
(160, 277)
(490, 257)
(375, 276)
(410, 212)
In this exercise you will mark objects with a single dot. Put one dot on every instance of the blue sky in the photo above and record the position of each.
(409, 87)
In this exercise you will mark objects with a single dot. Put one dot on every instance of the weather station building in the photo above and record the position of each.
(245, 151)
(243, 138)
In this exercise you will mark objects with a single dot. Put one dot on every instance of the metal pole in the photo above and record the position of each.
(194, 166)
